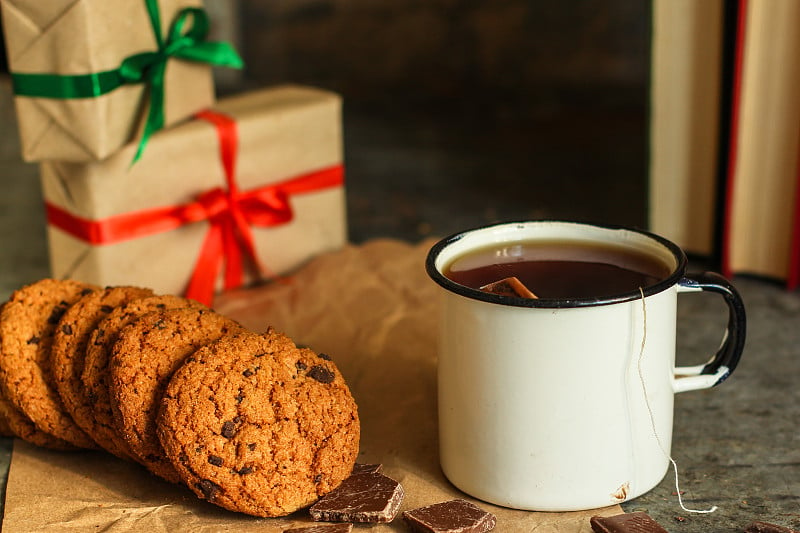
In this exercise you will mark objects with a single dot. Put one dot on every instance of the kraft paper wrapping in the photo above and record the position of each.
(283, 132)
(89, 36)
(373, 309)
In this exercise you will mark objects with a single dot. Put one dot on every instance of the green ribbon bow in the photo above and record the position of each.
(145, 67)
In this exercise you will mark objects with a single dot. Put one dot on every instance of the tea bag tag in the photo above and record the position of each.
(509, 287)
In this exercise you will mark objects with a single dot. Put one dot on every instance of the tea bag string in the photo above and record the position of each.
(652, 417)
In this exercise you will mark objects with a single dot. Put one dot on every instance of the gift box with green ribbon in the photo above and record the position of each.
(90, 76)
(249, 190)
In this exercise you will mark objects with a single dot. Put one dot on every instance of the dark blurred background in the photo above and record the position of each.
(462, 112)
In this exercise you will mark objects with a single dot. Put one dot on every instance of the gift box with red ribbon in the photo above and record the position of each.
(90, 76)
(248, 190)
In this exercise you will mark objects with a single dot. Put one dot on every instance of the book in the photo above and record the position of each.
(725, 133)
(761, 233)
(685, 85)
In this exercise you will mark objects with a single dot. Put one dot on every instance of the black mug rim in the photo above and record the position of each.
(675, 276)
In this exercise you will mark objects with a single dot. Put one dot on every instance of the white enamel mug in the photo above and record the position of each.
(563, 405)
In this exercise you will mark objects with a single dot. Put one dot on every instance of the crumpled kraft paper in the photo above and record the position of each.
(373, 309)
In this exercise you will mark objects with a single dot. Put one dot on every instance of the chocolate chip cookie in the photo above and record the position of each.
(254, 424)
(71, 337)
(100, 422)
(145, 356)
(16, 424)
(28, 322)
(22, 427)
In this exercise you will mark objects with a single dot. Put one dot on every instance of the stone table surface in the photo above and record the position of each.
(736, 446)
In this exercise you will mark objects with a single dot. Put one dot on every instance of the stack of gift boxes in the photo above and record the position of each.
(148, 180)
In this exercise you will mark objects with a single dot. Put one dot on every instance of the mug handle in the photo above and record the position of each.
(724, 362)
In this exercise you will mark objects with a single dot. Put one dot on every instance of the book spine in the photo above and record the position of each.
(793, 279)
(729, 40)
(736, 99)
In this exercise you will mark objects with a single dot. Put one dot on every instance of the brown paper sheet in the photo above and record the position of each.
(89, 36)
(374, 310)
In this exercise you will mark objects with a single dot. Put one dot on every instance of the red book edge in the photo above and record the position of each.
(741, 26)
(793, 279)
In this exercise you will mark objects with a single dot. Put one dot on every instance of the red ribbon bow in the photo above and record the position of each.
(230, 212)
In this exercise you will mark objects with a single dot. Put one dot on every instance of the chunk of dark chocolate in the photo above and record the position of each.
(766, 527)
(626, 523)
(370, 497)
(320, 528)
(453, 516)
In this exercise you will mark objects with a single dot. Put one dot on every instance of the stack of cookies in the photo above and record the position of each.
(247, 421)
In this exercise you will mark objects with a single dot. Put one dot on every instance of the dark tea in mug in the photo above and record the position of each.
(560, 270)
